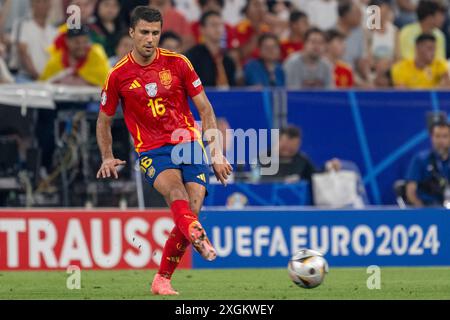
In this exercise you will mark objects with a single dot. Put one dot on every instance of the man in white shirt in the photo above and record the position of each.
(34, 36)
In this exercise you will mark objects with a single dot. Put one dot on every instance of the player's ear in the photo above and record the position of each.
(131, 32)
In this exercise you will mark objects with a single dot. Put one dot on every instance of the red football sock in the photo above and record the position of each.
(183, 216)
(173, 251)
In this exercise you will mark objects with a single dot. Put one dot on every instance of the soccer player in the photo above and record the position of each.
(153, 86)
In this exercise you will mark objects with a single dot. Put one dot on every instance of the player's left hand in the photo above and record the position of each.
(222, 170)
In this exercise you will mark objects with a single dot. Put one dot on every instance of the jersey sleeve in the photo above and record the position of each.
(110, 95)
(191, 80)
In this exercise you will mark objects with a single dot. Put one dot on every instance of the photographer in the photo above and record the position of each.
(429, 172)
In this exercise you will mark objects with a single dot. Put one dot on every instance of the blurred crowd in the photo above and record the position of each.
(297, 44)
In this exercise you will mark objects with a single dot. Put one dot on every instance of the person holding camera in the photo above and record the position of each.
(429, 172)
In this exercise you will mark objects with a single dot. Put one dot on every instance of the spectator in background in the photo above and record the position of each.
(124, 46)
(213, 65)
(431, 15)
(11, 12)
(298, 25)
(82, 64)
(174, 21)
(35, 36)
(278, 17)
(86, 18)
(425, 71)
(170, 41)
(309, 68)
(343, 74)
(251, 27)
(266, 71)
(405, 12)
(383, 41)
(349, 24)
(429, 172)
(229, 40)
(322, 14)
(294, 165)
(108, 25)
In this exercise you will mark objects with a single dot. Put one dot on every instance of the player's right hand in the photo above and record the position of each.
(109, 167)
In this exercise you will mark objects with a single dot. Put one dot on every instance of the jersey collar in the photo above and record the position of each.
(130, 56)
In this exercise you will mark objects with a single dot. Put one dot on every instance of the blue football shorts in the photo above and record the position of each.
(190, 158)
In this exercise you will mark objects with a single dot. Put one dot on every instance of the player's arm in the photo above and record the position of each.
(222, 168)
(109, 102)
(104, 141)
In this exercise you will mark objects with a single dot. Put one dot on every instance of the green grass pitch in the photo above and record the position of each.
(229, 284)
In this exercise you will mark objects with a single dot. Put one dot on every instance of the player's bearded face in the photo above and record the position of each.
(146, 37)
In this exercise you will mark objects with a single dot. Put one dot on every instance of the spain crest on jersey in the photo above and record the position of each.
(152, 89)
(165, 77)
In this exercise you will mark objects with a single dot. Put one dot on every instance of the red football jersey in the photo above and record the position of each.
(154, 98)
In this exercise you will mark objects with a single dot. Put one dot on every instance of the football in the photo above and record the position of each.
(307, 268)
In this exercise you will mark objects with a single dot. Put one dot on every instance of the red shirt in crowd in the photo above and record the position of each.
(343, 75)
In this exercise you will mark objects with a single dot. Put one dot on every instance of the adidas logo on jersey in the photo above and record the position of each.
(135, 85)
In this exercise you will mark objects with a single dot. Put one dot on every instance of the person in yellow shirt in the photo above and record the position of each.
(425, 71)
(78, 63)
(431, 16)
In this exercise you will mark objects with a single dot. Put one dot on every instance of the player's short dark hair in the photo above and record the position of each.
(291, 131)
(425, 37)
(203, 3)
(297, 15)
(169, 35)
(265, 36)
(206, 15)
(332, 34)
(427, 8)
(312, 31)
(344, 7)
(145, 13)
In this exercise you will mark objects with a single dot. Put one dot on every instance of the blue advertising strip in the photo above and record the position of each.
(267, 238)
